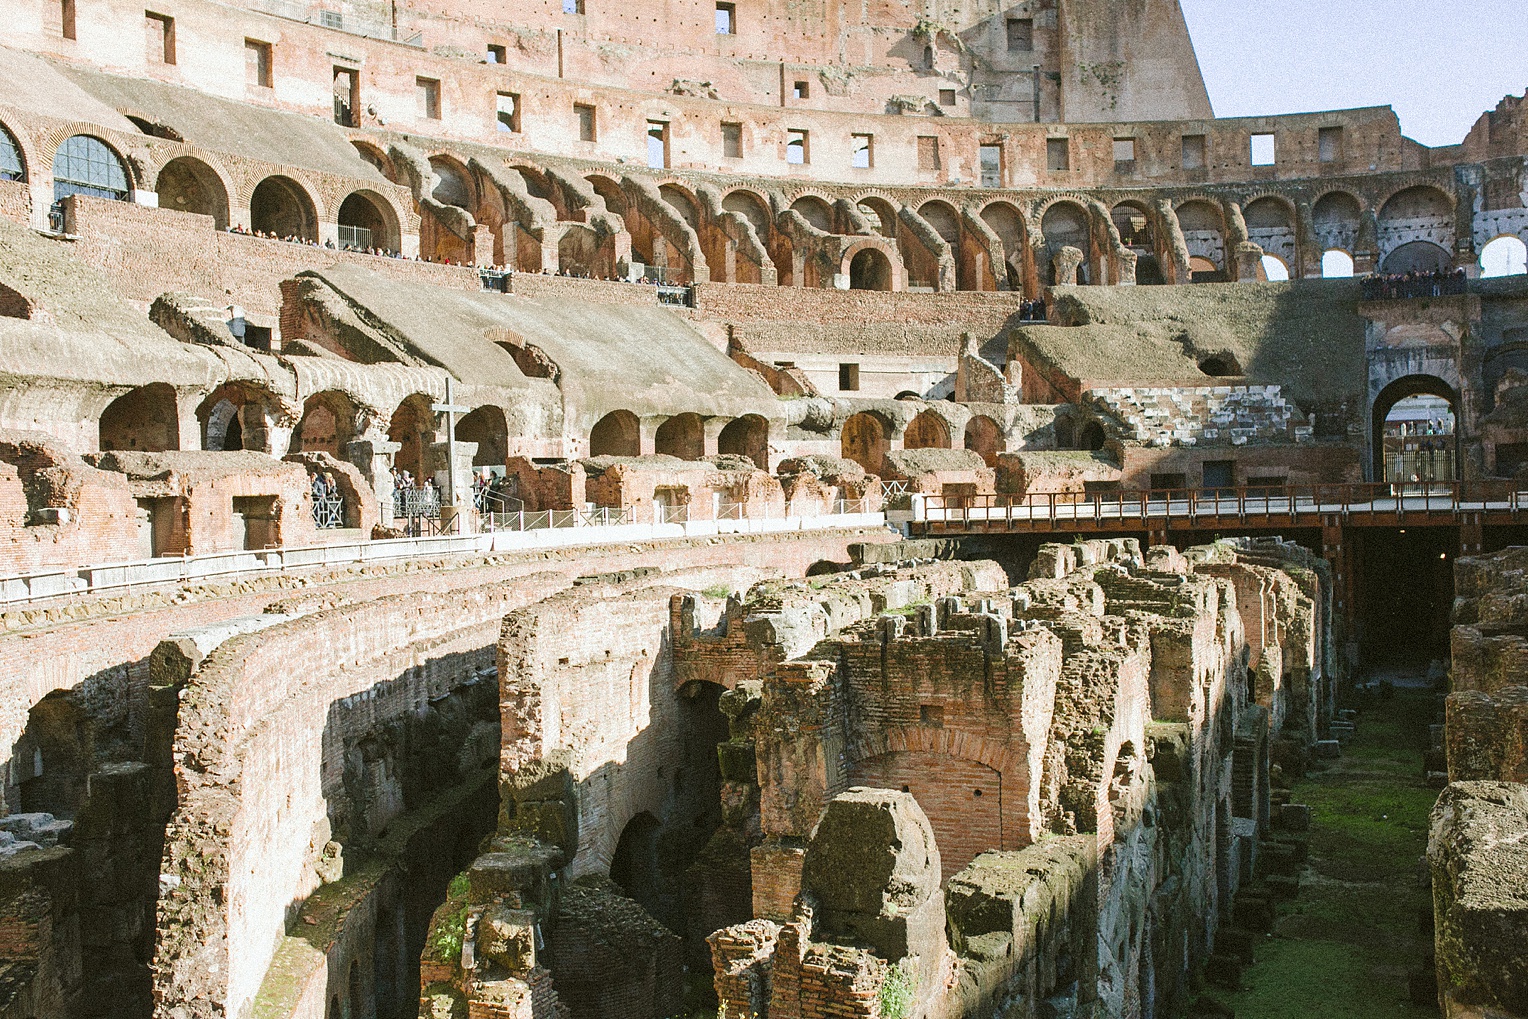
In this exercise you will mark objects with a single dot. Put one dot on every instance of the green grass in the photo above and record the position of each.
(1344, 947)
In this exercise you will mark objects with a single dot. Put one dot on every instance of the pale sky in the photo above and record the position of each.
(1440, 63)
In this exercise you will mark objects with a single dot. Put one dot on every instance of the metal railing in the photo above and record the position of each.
(328, 512)
(1379, 288)
(1304, 504)
(537, 520)
(416, 502)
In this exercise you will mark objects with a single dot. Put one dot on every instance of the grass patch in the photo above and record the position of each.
(1343, 948)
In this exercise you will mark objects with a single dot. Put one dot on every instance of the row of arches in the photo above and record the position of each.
(866, 437)
(84, 164)
(619, 433)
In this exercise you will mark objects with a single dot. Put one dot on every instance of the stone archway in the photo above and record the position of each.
(616, 434)
(145, 419)
(747, 436)
(1402, 389)
(865, 439)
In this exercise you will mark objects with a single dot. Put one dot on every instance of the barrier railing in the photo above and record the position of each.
(552, 528)
(1293, 502)
(328, 512)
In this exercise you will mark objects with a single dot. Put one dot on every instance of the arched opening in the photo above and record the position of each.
(1271, 226)
(815, 211)
(1414, 435)
(610, 191)
(413, 427)
(865, 439)
(145, 419)
(681, 435)
(281, 208)
(823, 568)
(746, 436)
(12, 167)
(221, 428)
(1336, 264)
(634, 865)
(365, 222)
(84, 165)
(927, 431)
(682, 202)
(752, 208)
(489, 428)
(190, 185)
(963, 799)
(984, 437)
(944, 220)
(881, 214)
(1336, 217)
(451, 185)
(1134, 225)
(1005, 221)
(1065, 225)
(616, 434)
(1505, 256)
(870, 269)
(1204, 271)
(1416, 256)
(355, 993)
(327, 425)
(1274, 269)
(1091, 437)
(1203, 228)
(237, 416)
(376, 157)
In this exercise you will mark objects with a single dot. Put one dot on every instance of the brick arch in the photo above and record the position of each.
(1388, 195)
(933, 739)
(28, 162)
(1358, 196)
(129, 147)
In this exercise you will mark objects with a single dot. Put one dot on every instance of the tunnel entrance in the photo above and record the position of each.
(1404, 580)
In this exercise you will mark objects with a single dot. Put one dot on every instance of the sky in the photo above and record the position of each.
(1440, 63)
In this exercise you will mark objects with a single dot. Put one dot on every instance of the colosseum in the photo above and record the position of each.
(896, 512)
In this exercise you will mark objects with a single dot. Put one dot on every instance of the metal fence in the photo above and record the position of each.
(328, 512)
(536, 520)
(416, 502)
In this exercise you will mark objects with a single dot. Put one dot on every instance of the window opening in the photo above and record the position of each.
(1329, 143)
(427, 92)
(1021, 35)
(347, 96)
(159, 32)
(796, 147)
(1193, 152)
(657, 144)
(928, 152)
(990, 158)
(726, 19)
(585, 122)
(861, 151)
(849, 378)
(257, 63)
(1265, 150)
(508, 114)
(732, 141)
(1058, 154)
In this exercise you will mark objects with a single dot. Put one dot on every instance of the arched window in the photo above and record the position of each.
(88, 166)
(11, 167)
(1336, 264)
(1274, 269)
(1505, 256)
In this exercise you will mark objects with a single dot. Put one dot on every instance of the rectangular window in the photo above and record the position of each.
(509, 112)
(657, 144)
(1330, 144)
(1220, 474)
(497, 54)
(331, 19)
(800, 90)
(347, 97)
(946, 97)
(1021, 35)
(1193, 152)
(1265, 150)
(726, 19)
(66, 16)
(427, 98)
(159, 37)
(572, 6)
(732, 141)
(257, 63)
(796, 153)
(1058, 154)
(861, 151)
(585, 122)
(928, 152)
(848, 378)
(1124, 154)
(990, 158)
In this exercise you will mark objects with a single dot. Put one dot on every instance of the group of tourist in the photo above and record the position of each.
(1399, 286)
(1032, 311)
(325, 487)
(491, 492)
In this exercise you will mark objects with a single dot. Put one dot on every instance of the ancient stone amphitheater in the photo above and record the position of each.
(745, 509)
